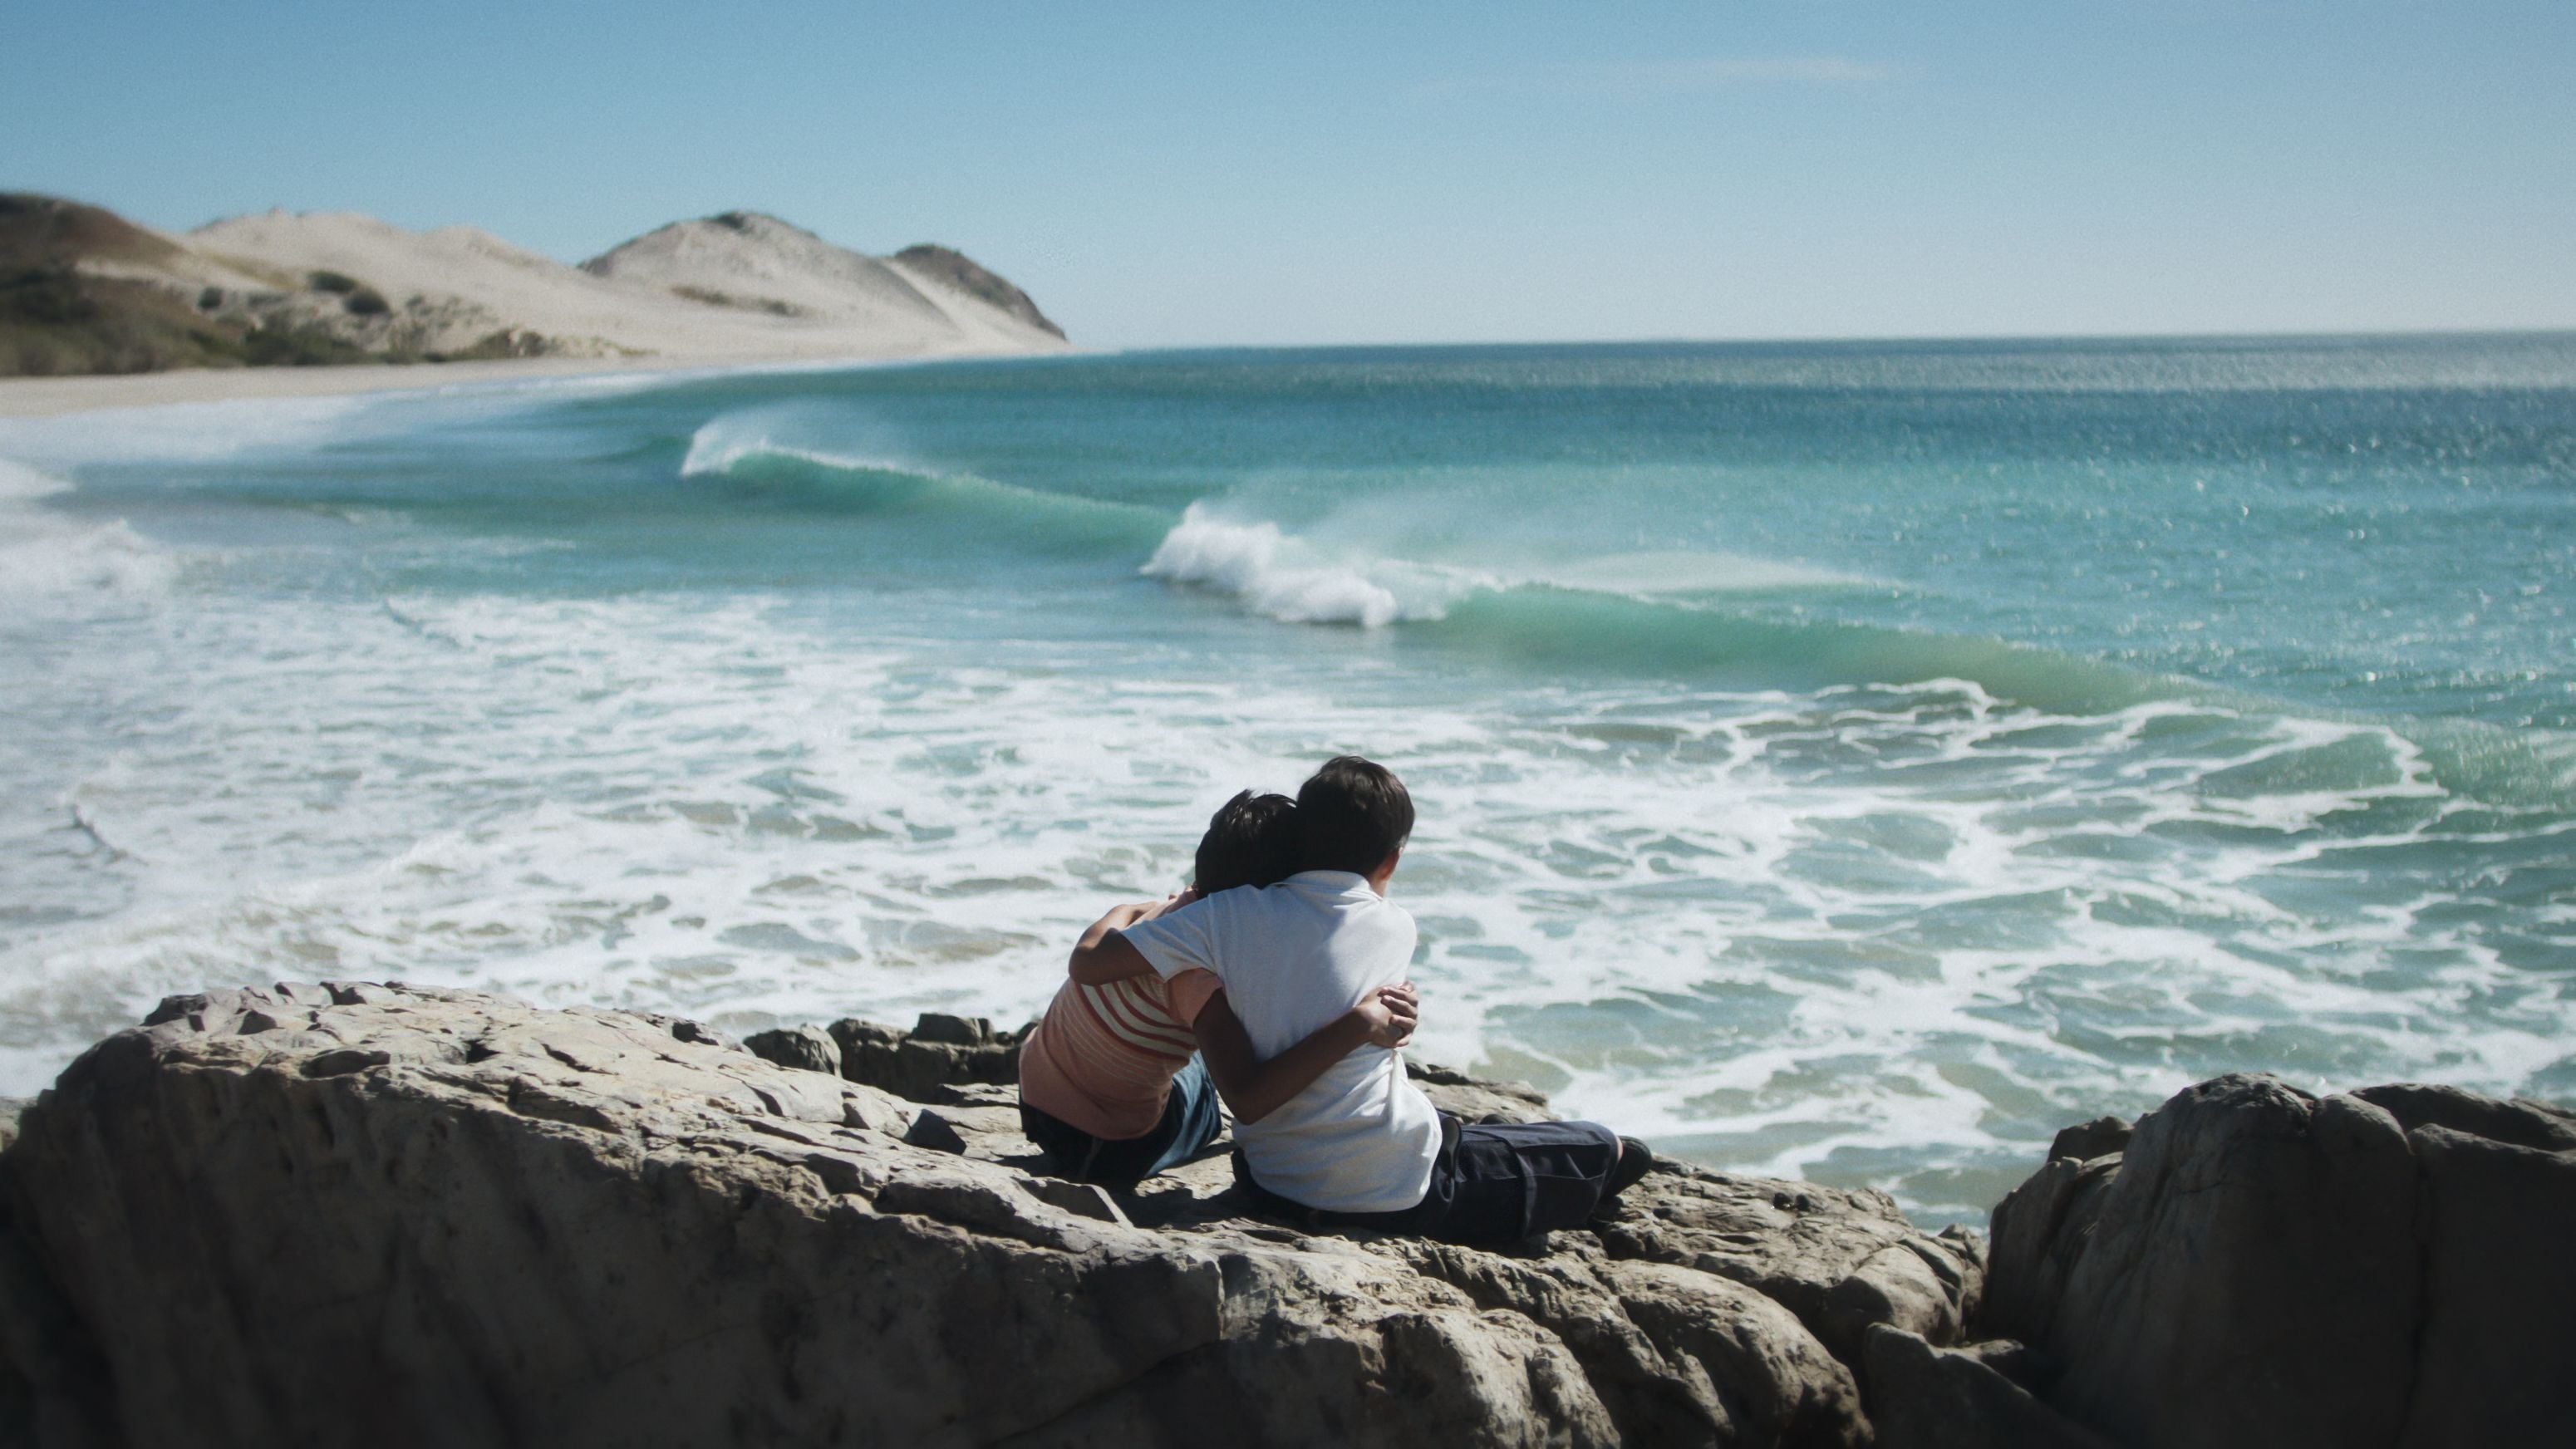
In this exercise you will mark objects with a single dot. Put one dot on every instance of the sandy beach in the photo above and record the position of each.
(39, 397)
(45, 397)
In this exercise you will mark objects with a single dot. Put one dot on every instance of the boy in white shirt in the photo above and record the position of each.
(1361, 1145)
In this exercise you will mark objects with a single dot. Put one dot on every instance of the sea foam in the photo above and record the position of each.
(1278, 575)
(194, 432)
(48, 555)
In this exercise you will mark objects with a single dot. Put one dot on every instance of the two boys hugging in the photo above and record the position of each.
(1282, 969)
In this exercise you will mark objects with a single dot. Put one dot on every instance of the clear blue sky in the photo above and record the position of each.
(1202, 173)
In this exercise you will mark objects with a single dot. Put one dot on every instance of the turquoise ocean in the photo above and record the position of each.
(1853, 761)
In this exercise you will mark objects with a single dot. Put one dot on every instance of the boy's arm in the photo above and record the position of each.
(1254, 1089)
(1102, 956)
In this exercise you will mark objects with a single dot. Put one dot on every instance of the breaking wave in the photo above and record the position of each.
(45, 554)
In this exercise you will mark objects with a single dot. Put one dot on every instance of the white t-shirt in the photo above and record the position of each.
(1293, 956)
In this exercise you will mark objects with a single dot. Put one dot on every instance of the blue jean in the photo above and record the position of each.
(1190, 1122)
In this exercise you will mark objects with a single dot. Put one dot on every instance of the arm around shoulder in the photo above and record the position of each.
(1104, 956)
(1254, 1089)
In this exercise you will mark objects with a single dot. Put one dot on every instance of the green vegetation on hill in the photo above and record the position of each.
(274, 345)
(356, 297)
(57, 319)
(54, 320)
(494, 346)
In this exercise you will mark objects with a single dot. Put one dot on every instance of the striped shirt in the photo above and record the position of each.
(1102, 1057)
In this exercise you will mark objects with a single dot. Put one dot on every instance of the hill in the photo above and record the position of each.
(753, 263)
(83, 290)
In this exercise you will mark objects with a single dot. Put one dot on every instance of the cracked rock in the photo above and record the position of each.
(438, 1217)
(2258, 1266)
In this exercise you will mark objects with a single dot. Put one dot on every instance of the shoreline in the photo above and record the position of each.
(47, 397)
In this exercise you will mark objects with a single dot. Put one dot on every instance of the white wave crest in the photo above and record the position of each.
(20, 483)
(1286, 578)
(1293, 580)
(109, 559)
(45, 555)
(716, 447)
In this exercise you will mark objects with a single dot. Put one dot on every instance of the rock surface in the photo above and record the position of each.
(350, 1213)
(940, 1051)
(1971, 1398)
(2255, 1265)
(806, 1048)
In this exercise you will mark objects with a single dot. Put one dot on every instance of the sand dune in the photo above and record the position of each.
(739, 288)
(83, 292)
(748, 262)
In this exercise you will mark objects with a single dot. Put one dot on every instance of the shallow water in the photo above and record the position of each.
(1853, 761)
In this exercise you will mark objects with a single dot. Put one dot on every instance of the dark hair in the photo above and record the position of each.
(1351, 815)
(1251, 840)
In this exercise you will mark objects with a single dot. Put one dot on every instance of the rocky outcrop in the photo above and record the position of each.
(326, 1214)
(806, 1048)
(345, 1213)
(940, 1051)
(1978, 1397)
(2255, 1265)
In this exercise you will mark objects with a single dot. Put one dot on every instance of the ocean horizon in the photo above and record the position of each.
(1842, 760)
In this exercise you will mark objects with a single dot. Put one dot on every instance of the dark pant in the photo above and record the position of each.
(1492, 1185)
(1190, 1122)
